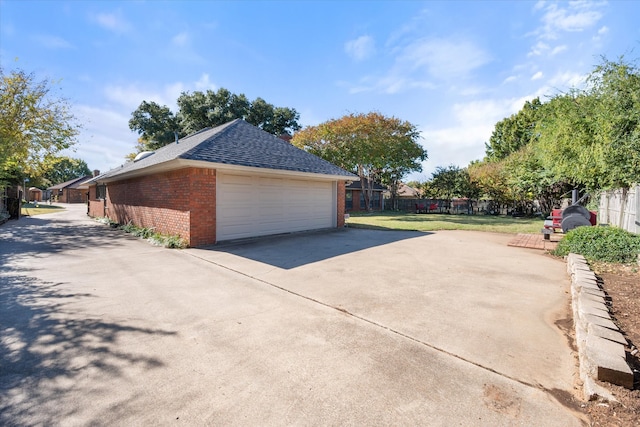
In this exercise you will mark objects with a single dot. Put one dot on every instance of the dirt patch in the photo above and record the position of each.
(501, 400)
(622, 285)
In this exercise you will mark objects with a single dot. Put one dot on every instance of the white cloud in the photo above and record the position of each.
(52, 42)
(537, 76)
(567, 79)
(204, 83)
(604, 30)
(573, 16)
(558, 49)
(180, 49)
(361, 48)
(181, 40)
(538, 49)
(422, 63)
(510, 79)
(462, 139)
(442, 58)
(113, 22)
(105, 139)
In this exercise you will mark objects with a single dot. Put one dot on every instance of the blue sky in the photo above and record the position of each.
(452, 68)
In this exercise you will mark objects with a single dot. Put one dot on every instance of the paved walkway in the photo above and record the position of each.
(357, 327)
(536, 241)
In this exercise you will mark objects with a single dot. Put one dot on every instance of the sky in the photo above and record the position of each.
(452, 68)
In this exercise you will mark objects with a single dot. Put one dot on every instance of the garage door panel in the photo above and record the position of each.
(253, 205)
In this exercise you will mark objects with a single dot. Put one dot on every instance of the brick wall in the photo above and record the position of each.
(340, 202)
(179, 202)
(73, 195)
(96, 207)
(203, 206)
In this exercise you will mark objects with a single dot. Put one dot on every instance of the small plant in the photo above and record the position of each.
(107, 221)
(168, 241)
(147, 233)
(608, 244)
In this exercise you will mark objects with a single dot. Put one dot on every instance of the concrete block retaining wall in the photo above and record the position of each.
(600, 344)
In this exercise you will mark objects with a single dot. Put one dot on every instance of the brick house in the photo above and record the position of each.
(69, 191)
(231, 182)
(354, 197)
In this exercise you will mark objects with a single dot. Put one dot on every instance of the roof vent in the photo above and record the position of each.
(143, 155)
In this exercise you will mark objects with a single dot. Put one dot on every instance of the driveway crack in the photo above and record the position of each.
(388, 329)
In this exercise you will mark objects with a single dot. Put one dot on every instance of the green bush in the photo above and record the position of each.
(168, 241)
(608, 244)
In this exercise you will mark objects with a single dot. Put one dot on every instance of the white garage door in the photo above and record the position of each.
(254, 205)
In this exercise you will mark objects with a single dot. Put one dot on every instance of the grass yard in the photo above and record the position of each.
(434, 222)
(31, 209)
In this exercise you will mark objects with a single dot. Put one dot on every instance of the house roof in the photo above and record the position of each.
(236, 143)
(72, 183)
(357, 185)
(405, 191)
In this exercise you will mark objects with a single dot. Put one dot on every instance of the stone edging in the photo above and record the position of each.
(600, 343)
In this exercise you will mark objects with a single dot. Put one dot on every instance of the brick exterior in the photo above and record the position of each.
(181, 202)
(163, 201)
(70, 195)
(340, 203)
(96, 207)
(355, 206)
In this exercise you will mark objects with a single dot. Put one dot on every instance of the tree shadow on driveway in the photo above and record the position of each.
(41, 236)
(45, 347)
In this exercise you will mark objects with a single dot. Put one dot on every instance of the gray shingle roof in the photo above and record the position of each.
(72, 183)
(236, 143)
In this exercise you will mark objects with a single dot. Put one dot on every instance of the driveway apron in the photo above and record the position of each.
(354, 327)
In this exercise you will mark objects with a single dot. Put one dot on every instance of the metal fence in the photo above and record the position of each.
(620, 208)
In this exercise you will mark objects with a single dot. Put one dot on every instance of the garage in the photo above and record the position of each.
(230, 182)
(260, 205)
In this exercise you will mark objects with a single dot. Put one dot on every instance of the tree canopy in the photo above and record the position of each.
(62, 169)
(157, 125)
(586, 138)
(34, 125)
(373, 146)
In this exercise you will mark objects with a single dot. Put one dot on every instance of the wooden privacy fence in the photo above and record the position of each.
(620, 208)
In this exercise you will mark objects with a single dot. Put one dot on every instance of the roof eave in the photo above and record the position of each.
(183, 163)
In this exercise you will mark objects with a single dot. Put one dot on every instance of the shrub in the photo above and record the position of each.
(608, 244)
(168, 241)
(171, 241)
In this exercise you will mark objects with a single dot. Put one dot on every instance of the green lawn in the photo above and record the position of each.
(39, 209)
(433, 222)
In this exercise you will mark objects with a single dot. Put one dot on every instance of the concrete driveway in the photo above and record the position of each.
(353, 327)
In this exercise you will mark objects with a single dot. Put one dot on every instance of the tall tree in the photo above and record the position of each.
(199, 110)
(373, 146)
(492, 180)
(34, 124)
(62, 169)
(591, 136)
(514, 132)
(448, 182)
(157, 125)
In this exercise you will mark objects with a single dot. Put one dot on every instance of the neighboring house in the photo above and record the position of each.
(231, 182)
(68, 192)
(35, 195)
(406, 192)
(354, 197)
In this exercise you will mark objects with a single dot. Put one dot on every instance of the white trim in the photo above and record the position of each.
(181, 164)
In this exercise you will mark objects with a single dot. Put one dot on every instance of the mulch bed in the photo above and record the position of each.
(622, 284)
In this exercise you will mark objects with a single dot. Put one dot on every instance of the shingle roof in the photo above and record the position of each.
(72, 183)
(235, 143)
(357, 185)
